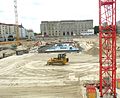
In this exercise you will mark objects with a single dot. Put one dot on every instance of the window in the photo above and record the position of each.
(49, 28)
(63, 33)
(72, 33)
(44, 33)
(9, 29)
(67, 33)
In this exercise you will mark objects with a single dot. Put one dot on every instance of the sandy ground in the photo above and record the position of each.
(27, 76)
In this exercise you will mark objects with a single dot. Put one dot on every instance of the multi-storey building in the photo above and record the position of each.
(7, 30)
(65, 28)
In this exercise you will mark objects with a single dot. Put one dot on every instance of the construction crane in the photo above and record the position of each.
(16, 27)
(16, 20)
(107, 44)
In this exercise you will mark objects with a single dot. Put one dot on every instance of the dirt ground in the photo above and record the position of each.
(28, 76)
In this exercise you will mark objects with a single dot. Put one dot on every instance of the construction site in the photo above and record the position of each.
(27, 75)
(64, 67)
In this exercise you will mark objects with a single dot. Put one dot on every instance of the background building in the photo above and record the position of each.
(65, 28)
(118, 27)
(7, 30)
(30, 34)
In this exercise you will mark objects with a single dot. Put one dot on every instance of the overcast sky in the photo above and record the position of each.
(32, 12)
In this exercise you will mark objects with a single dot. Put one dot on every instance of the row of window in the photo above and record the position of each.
(8, 33)
(66, 28)
(64, 33)
(86, 26)
(64, 24)
(3, 31)
(6, 30)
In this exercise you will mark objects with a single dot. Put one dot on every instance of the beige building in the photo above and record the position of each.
(7, 30)
(65, 28)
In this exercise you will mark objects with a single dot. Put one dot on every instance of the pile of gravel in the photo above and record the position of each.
(93, 51)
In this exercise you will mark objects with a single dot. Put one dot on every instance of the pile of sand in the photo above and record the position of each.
(85, 46)
(93, 51)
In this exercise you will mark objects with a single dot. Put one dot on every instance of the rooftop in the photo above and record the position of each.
(66, 21)
(11, 24)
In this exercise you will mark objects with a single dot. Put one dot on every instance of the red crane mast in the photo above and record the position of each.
(107, 45)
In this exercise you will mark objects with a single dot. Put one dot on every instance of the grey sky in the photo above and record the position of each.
(32, 12)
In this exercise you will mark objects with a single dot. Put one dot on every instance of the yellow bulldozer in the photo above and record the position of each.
(61, 60)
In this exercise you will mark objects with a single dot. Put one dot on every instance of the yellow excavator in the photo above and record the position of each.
(61, 60)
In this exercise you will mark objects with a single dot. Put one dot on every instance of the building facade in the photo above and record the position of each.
(31, 34)
(7, 30)
(118, 27)
(66, 27)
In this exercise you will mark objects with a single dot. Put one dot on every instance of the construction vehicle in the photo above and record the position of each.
(61, 59)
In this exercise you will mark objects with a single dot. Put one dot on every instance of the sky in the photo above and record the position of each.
(32, 12)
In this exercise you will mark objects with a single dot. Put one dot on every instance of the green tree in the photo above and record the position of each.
(96, 29)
